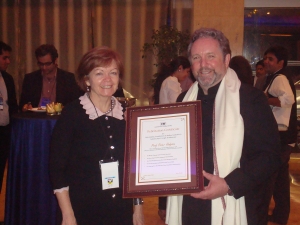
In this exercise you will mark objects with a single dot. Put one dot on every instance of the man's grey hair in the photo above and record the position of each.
(211, 33)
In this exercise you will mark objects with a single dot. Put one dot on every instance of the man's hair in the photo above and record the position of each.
(4, 47)
(211, 33)
(280, 53)
(260, 63)
(46, 49)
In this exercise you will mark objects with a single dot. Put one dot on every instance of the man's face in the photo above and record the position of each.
(46, 65)
(4, 60)
(272, 64)
(260, 71)
(208, 64)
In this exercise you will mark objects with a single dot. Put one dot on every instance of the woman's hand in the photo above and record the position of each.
(138, 215)
(64, 202)
(69, 220)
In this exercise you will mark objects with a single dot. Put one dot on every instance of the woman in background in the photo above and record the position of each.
(167, 86)
(87, 144)
(166, 90)
(242, 68)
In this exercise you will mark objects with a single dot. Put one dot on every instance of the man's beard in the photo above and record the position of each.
(206, 82)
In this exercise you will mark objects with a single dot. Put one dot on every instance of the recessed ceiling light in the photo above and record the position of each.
(277, 35)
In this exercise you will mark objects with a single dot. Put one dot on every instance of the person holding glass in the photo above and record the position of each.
(87, 149)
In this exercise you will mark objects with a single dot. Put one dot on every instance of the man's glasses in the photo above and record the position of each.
(44, 64)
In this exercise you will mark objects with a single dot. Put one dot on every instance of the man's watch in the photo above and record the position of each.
(229, 192)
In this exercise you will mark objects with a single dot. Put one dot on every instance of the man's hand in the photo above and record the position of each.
(217, 187)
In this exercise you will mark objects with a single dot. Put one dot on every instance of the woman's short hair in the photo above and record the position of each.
(97, 57)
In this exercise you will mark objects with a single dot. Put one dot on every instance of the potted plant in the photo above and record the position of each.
(166, 44)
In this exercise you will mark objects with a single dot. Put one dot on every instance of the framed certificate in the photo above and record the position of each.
(163, 150)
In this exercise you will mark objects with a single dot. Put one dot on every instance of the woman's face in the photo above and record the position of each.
(103, 81)
(183, 73)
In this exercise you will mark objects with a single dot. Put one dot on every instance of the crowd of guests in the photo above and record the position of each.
(248, 132)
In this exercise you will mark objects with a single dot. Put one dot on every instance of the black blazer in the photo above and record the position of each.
(11, 93)
(67, 89)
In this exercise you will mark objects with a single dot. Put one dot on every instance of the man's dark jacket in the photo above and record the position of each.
(259, 160)
(11, 93)
(67, 89)
(5, 130)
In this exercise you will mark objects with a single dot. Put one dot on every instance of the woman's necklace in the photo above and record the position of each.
(111, 148)
(112, 105)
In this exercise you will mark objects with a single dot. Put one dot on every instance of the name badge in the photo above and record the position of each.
(1, 103)
(45, 101)
(110, 175)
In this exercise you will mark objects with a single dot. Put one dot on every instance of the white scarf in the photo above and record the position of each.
(229, 134)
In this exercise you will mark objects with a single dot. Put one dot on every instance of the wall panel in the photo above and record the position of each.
(74, 26)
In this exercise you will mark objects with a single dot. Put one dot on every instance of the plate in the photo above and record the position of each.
(37, 110)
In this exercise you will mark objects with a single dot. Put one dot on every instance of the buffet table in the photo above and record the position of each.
(29, 195)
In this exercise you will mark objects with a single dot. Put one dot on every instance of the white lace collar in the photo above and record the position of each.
(117, 112)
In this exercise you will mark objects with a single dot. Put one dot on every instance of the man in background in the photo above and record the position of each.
(8, 105)
(49, 83)
(261, 75)
(280, 91)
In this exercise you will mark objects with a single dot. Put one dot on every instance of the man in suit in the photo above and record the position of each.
(49, 83)
(8, 105)
(240, 143)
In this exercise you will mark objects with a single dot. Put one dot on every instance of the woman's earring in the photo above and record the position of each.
(88, 88)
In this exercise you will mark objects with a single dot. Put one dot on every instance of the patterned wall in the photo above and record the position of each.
(74, 26)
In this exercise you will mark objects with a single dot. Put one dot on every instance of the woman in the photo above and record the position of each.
(87, 144)
(166, 90)
(242, 68)
(167, 84)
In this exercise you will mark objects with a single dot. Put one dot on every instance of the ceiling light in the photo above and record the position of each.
(277, 35)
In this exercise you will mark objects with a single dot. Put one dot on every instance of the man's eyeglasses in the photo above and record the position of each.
(44, 64)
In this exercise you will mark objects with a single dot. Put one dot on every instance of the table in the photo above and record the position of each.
(29, 195)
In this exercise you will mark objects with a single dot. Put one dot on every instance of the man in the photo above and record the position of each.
(49, 83)
(8, 105)
(281, 93)
(240, 144)
(260, 78)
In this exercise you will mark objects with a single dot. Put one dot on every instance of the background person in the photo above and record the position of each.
(240, 143)
(49, 83)
(242, 68)
(88, 138)
(167, 87)
(8, 105)
(280, 91)
(167, 83)
(261, 75)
